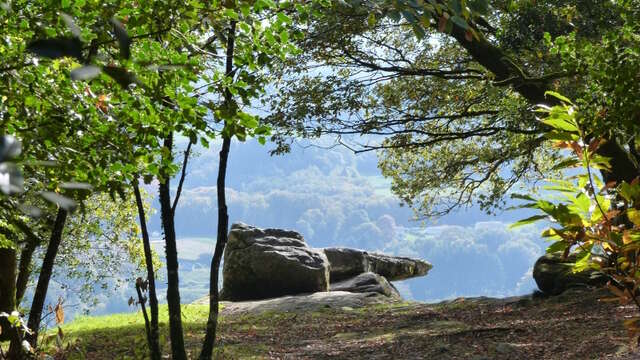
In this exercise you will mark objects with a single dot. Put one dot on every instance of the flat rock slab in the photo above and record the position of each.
(346, 263)
(304, 303)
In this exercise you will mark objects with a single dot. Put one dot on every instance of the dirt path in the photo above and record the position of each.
(573, 326)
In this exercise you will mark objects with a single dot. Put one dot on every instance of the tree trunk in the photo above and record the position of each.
(40, 294)
(24, 269)
(8, 263)
(154, 342)
(141, 301)
(223, 220)
(173, 286)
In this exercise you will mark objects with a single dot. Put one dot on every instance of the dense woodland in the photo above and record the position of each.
(466, 103)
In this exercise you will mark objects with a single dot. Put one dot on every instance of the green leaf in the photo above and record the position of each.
(418, 31)
(410, 17)
(523, 197)
(566, 163)
(455, 6)
(479, 6)
(284, 36)
(230, 13)
(371, 19)
(582, 263)
(552, 234)
(460, 22)
(634, 216)
(561, 124)
(582, 202)
(557, 246)
(558, 96)
(394, 15)
(527, 221)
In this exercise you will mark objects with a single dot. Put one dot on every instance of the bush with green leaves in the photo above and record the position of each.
(598, 222)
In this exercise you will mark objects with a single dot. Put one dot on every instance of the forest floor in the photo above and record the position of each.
(575, 325)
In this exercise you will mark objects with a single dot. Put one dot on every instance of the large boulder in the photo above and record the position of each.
(365, 283)
(554, 274)
(347, 263)
(267, 263)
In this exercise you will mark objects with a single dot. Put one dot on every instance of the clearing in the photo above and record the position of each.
(575, 325)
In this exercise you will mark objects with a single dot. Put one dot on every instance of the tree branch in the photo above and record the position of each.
(182, 177)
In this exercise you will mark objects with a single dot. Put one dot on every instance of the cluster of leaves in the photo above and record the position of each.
(607, 67)
(598, 222)
(105, 238)
(441, 14)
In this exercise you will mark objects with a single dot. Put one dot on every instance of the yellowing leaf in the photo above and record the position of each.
(59, 312)
(634, 216)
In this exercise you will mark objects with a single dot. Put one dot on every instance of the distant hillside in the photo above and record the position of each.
(336, 198)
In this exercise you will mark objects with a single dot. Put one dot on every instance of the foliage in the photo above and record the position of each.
(443, 90)
(127, 78)
(598, 222)
(106, 253)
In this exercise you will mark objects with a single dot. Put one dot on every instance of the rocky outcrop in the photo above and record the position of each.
(267, 263)
(339, 300)
(367, 283)
(396, 267)
(347, 263)
(554, 274)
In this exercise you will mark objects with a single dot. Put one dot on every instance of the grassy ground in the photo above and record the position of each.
(573, 326)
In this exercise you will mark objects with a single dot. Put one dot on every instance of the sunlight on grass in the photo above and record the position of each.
(123, 335)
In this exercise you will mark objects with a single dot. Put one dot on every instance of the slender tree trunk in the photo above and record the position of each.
(26, 259)
(24, 269)
(142, 302)
(223, 220)
(8, 264)
(154, 342)
(173, 286)
(45, 275)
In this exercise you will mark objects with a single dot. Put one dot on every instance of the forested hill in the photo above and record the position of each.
(336, 198)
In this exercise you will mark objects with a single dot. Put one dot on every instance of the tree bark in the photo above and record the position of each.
(8, 264)
(26, 259)
(154, 342)
(40, 295)
(223, 220)
(173, 286)
(142, 301)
